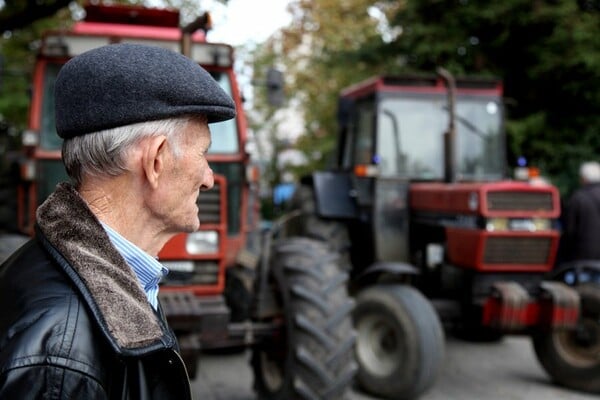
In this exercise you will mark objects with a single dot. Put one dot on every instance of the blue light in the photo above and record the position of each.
(521, 161)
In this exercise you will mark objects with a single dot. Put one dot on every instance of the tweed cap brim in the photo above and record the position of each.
(122, 84)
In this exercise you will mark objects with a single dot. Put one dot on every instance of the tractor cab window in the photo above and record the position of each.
(50, 171)
(410, 140)
(224, 134)
(49, 139)
(480, 142)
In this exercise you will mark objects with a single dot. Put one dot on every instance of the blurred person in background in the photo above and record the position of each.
(581, 217)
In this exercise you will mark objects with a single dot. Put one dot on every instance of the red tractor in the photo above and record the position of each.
(436, 236)
(229, 284)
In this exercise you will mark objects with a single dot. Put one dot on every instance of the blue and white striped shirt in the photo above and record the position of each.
(147, 269)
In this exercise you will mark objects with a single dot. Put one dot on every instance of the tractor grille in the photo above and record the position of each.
(204, 273)
(209, 205)
(516, 250)
(519, 201)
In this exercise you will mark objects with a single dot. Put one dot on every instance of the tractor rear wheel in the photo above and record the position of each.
(572, 357)
(400, 341)
(313, 356)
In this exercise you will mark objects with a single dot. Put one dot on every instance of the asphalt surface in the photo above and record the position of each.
(507, 370)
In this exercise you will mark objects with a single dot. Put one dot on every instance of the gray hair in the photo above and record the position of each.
(589, 172)
(104, 153)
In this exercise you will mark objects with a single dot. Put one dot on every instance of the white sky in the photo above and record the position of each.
(246, 21)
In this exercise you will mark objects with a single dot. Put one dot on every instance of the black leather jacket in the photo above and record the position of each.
(74, 322)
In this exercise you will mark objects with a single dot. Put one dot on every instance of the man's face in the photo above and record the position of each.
(185, 174)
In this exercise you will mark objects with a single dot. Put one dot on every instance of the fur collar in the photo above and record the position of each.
(70, 226)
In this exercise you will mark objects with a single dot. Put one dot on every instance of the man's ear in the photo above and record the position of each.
(154, 158)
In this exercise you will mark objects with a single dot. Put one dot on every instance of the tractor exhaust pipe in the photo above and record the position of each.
(450, 134)
(203, 22)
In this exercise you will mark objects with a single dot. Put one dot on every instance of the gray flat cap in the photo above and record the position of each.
(122, 84)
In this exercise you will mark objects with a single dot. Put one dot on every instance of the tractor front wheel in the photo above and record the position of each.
(400, 341)
(572, 357)
(312, 357)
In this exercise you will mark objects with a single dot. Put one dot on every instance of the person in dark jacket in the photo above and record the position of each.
(581, 217)
(80, 317)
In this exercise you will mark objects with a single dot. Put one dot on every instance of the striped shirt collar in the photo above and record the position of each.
(147, 269)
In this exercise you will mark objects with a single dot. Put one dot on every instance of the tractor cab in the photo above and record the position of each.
(398, 133)
(393, 128)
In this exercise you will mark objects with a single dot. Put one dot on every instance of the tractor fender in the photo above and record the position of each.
(395, 269)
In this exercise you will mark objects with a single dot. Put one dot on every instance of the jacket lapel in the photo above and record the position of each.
(74, 231)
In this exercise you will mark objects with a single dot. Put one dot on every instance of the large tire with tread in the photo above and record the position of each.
(400, 341)
(572, 358)
(313, 358)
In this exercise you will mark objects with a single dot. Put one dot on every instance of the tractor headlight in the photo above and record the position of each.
(202, 242)
(496, 224)
(542, 224)
(518, 224)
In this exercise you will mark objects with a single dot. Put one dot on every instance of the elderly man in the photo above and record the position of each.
(80, 317)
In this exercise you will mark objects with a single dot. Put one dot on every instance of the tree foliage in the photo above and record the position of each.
(546, 52)
(318, 52)
(17, 51)
(17, 14)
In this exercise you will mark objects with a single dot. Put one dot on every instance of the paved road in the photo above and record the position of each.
(502, 371)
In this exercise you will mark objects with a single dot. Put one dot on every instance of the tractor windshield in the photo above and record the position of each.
(224, 134)
(410, 137)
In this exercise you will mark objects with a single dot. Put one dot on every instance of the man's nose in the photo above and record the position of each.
(208, 180)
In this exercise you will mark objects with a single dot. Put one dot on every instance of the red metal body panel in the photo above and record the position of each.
(131, 31)
(425, 85)
(533, 314)
(556, 307)
(457, 198)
